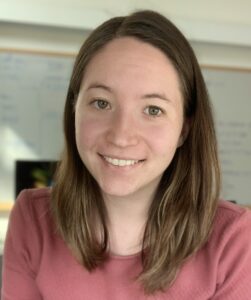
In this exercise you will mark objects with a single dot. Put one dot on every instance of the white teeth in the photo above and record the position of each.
(120, 162)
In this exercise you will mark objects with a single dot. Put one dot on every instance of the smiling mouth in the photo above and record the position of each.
(121, 162)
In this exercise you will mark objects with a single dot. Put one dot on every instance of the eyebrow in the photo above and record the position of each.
(156, 95)
(110, 90)
(99, 86)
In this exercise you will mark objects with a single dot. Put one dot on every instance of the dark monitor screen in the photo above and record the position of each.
(33, 174)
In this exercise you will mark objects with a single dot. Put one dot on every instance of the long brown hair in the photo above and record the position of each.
(182, 212)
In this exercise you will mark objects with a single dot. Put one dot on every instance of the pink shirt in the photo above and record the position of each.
(38, 265)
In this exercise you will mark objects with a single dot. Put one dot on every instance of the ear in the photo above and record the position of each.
(184, 132)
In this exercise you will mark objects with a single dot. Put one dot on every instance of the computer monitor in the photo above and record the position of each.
(34, 174)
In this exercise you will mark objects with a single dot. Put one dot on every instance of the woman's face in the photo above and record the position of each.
(129, 117)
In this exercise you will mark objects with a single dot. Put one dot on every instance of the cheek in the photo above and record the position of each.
(87, 131)
(164, 140)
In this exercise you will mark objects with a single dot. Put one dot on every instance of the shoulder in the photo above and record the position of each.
(31, 223)
(36, 201)
(229, 208)
(230, 242)
(30, 226)
(228, 252)
(230, 217)
(31, 210)
(230, 236)
(41, 195)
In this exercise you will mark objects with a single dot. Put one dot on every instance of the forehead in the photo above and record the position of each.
(131, 67)
(130, 52)
(131, 47)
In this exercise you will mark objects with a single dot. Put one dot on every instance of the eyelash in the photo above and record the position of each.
(96, 103)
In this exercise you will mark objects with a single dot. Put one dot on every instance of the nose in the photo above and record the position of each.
(123, 131)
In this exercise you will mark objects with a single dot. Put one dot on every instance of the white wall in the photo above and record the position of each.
(220, 11)
(219, 30)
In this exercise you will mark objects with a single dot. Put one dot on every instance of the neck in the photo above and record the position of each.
(127, 217)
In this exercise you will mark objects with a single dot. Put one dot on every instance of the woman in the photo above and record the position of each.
(135, 211)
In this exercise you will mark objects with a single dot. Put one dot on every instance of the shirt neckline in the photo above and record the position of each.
(124, 257)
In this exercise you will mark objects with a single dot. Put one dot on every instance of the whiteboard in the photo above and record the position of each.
(230, 92)
(32, 95)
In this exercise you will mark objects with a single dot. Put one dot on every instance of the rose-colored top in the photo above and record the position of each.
(38, 264)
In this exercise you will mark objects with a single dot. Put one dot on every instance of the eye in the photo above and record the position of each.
(101, 104)
(153, 111)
